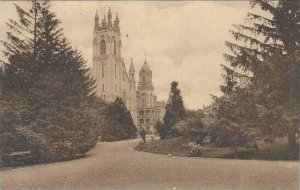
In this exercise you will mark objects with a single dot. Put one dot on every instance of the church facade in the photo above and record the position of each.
(113, 80)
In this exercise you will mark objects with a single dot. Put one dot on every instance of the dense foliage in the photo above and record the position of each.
(175, 112)
(262, 77)
(47, 100)
(161, 129)
(118, 123)
(46, 90)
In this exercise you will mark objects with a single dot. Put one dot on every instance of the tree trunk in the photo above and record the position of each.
(35, 27)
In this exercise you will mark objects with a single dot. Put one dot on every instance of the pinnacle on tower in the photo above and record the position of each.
(131, 67)
(117, 18)
(109, 13)
(104, 24)
(109, 17)
(116, 23)
(96, 16)
(96, 20)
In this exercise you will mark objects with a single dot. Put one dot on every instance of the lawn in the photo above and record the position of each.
(181, 146)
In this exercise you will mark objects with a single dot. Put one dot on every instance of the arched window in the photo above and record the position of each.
(148, 113)
(102, 47)
(115, 47)
(141, 113)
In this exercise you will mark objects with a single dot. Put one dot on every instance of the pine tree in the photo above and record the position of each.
(161, 129)
(175, 110)
(45, 73)
(264, 65)
(119, 124)
(40, 58)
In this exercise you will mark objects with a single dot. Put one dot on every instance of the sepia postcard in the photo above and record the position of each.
(149, 95)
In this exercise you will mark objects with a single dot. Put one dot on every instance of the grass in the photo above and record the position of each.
(166, 146)
(178, 147)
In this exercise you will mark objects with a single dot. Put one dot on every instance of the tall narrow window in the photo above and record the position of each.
(102, 70)
(102, 47)
(102, 87)
(115, 48)
(115, 70)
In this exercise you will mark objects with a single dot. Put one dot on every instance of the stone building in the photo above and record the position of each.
(149, 109)
(113, 80)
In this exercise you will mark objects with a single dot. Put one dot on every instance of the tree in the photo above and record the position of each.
(46, 75)
(161, 129)
(264, 65)
(43, 67)
(119, 122)
(175, 110)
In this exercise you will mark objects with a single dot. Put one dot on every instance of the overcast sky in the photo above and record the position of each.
(184, 41)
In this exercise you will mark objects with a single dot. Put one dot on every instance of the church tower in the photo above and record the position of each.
(107, 59)
(112, 78)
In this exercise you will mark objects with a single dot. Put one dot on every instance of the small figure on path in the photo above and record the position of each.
(143, 134)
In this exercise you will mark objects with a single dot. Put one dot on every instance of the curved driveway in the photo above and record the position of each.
(117, 166)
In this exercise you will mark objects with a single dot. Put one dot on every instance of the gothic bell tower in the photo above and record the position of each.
(107, 57)
(109, 71)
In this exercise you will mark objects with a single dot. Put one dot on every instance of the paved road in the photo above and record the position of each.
(117, 166)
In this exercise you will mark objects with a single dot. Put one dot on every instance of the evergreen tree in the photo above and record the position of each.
(119, 122)
(43, 67)
(161, 129)
(44, 73)
(175, 110)
(264, 65)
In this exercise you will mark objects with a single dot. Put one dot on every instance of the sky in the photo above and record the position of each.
(184, 41)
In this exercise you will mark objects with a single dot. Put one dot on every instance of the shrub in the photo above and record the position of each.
(227, 133)
(18, 158)
(161, 129)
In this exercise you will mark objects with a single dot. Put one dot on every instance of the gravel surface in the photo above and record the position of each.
(117, 166)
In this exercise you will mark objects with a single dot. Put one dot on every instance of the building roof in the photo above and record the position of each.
(131, 67)
(145, 67)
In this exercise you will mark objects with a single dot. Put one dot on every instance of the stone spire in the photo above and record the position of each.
(131, 68)
(116, 23)
(104, 24)
(117, 18)
(131, 71)
(109, 18)
(96, 21)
